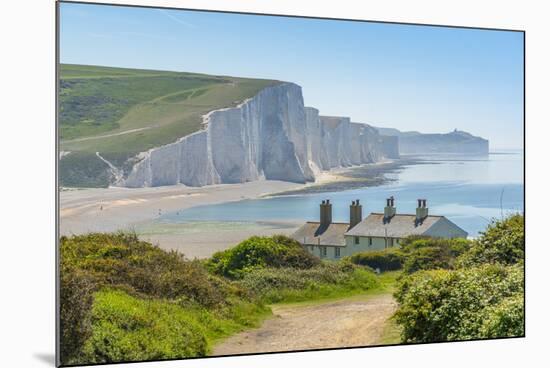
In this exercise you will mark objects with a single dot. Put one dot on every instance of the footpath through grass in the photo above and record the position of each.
(123, 299)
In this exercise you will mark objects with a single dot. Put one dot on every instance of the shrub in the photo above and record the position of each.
(329, 279)
(75, 305)
(127, 328)
(428, 258)
(421, 253)
(455, 246)
(147, 303)
(503, 242)
(505, 319)
(445, 305)
(384, 260)
(121, 260)
(260, 252)
(416, 253)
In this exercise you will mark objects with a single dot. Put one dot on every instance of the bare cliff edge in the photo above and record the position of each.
(269, 136)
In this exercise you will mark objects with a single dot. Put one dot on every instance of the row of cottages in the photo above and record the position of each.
(333, 240)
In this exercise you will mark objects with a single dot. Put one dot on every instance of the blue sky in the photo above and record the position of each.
(431, 79)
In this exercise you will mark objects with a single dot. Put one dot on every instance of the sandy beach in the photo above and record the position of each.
(112, 209)
(136, 209)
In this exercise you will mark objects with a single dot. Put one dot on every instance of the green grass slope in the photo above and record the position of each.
(123, 299)
(120, 112)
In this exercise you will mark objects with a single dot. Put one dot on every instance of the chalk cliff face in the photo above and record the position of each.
(336, 142)
(269, 136)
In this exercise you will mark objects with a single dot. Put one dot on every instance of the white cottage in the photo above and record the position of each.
(327, 239)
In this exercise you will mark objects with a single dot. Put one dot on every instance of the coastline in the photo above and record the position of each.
(354, 177)
(137, 209)
(115, 208)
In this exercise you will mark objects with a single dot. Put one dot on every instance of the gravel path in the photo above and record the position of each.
(344, 323)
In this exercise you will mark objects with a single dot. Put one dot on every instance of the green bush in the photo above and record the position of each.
(76, 298)
(124, 299)
(127, 328)
(503, 242)
(454, 247)
(260, 252)
(416, 253)
(329, 279)
(384, 260)
(147, 303)
(505, 319)
(121, 260)
(463, 304)
(432, 253)
(429, 258)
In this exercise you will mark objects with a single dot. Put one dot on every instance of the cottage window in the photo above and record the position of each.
(336, 252)
(323, 251)
(356, 239)
(370, 241)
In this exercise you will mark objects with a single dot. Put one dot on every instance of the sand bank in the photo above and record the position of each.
(136, 209)
(111, 209)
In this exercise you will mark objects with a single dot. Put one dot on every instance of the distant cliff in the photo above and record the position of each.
(269, 136)
(456, 142)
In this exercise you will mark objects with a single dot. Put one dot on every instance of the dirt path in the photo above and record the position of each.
(343, 323)
(83, 139)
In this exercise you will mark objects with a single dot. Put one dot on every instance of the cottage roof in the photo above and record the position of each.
(399, 226)
(312, 233)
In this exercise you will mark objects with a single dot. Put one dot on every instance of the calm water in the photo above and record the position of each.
(470, 191)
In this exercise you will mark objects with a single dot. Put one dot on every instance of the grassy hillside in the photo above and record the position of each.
(120, 112)
(123, 299)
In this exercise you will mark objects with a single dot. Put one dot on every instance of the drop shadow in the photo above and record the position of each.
(46, 358)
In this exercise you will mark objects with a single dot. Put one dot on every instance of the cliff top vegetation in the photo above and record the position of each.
(120, 112)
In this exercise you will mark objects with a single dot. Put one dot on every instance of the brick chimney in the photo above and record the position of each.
(355, 213)
(421, 210)
(326, 212)
(389, 210)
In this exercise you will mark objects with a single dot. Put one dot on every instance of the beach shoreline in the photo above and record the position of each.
(354, 177)
(137, 209)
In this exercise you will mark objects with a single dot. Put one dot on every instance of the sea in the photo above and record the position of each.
(471, 191)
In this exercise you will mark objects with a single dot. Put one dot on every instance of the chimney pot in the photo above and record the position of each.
(421, 211)
(389, 210)
(326, 213)
(355, 213)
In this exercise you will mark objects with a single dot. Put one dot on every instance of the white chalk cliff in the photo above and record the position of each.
(269, 136)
